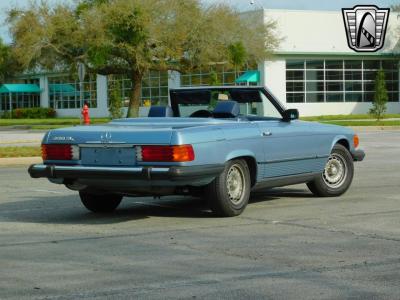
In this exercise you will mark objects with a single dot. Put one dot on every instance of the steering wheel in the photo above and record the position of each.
(202, 113)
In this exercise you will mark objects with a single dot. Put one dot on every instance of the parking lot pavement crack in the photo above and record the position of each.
(127, 235)
(386, 212)
(334, 230)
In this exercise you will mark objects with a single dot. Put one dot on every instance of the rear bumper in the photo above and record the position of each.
(177, 173)
(358, 155)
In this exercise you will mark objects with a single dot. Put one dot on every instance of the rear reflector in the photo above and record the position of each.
(152, 153)
(60, 152)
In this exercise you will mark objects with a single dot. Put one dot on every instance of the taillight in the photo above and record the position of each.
(60, 152)
(152, 153)
(356, 141)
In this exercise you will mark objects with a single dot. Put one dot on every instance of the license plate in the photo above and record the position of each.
(108, 156)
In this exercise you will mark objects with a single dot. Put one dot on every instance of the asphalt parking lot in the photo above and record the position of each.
(287, 245)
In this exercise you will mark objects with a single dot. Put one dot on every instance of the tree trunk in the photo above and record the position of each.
(134, 102)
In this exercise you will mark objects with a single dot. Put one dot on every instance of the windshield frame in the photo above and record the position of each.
(209, 89)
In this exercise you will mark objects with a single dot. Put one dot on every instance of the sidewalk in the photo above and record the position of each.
(12, 138)
(20, 161)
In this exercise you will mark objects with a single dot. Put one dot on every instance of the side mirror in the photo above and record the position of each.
(290, 114)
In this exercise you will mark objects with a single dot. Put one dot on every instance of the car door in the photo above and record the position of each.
(290, 147)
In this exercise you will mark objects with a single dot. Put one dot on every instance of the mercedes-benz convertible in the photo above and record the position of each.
(219, 143)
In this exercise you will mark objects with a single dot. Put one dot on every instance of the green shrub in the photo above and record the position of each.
(31, 113)
(381, 96)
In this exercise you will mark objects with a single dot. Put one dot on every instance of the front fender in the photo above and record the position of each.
(342, 137)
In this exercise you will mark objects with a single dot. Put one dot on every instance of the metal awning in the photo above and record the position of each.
(63, 88)
(249, 76)
(11, 88)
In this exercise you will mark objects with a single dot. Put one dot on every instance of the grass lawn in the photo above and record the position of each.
(20, 151)
(347, 117)
(49, 122)
(364, 123)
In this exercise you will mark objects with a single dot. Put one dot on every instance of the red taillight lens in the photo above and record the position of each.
(58, 152)
(180, 153)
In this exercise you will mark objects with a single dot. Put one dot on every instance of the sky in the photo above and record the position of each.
(242, 5)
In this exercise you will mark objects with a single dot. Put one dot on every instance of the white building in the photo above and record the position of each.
(313, 70)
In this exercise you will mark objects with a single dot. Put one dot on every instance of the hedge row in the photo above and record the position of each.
(31, 113)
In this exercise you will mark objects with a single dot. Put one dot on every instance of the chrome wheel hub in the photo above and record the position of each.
(235, 183)
(335, 171)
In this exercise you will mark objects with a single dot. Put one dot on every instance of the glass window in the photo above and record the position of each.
(391, 75)
(155, 81)
(294, 86)
(334, 86)
(352, 75)
(351, 86)
(372, 64)
(390, 64)
(294, 75)
(334, 75)
(315, 75)
(315, 97)
(65, 93)
(370, 75)
(353, 64)
(353, 97)
(294, 64)
(145, 93)
(314, 64)
(334, 64)
(294, 98)
(164, 80)
(315, 86)
(269, 109)
(393, 97)
(369, 86)
(334, 97)
(392, 85)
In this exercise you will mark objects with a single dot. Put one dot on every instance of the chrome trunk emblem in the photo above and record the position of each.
(105, 138)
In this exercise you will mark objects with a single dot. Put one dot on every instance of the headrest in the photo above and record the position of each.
(160, 111)
(226, 109)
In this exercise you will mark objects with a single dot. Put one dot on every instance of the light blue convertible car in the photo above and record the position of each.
(216, 142)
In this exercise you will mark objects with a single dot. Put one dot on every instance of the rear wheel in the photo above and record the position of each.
(100, 203)
(229, 193)
(337, 175)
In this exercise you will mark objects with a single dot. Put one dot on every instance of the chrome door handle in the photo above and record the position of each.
(267, 133)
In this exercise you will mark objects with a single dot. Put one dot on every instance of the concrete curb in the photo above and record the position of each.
(19, 161)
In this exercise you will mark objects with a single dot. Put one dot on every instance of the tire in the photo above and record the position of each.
(229, 193)
(337, 175)
(100, 203)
